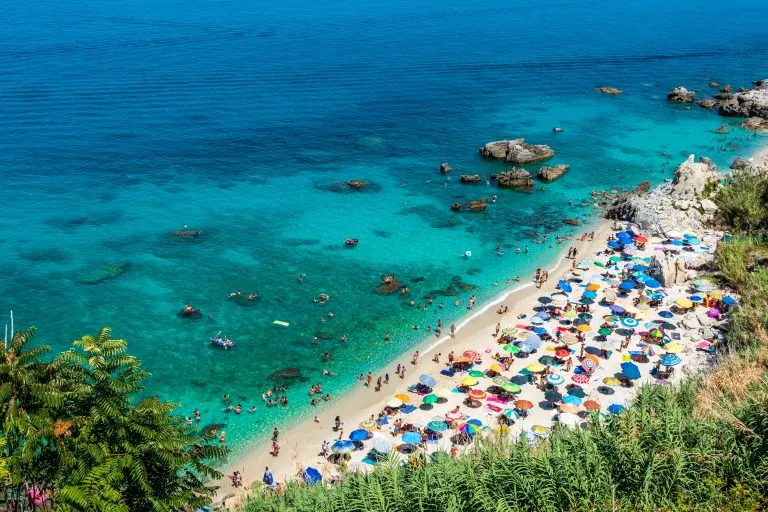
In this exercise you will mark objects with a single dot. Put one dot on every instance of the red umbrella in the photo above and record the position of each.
(580, 378)
(562, 353)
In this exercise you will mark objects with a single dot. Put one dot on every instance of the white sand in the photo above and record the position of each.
(300, 446)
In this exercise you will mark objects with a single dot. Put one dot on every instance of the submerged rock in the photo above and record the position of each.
(572, 222)
(516, 151)
(610, 90)
(755, 124)
(722, 130)
(106, 273)
(515, 178)
(445, 168)
(707, 103)
(470, 178)
(286, 375)
(550, 174)
(681, 95)
(349, 186)
(714, 84)
(475, 205)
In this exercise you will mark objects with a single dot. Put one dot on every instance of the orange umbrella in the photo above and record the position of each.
(593, 287)
(640, 239)
(573, 409)
(477, 394)
(523, 404)
(591, 405)
(403, 398)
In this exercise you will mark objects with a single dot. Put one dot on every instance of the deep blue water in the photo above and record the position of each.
(121, 122)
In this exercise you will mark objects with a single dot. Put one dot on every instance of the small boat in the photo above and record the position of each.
(221, 341)
(350, 242)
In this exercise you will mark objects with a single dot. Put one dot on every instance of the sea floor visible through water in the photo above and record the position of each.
(242, 122)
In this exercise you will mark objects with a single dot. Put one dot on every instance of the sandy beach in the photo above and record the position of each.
(300, 445)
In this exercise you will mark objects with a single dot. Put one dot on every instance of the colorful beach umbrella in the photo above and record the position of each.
(469, 381)
(569, 338)
(477, 394)
(562, 353)
(368, 425)
(511, 349)
(394, 403)
(615, 408)
(427, 380)
(411, 438)
(616, 309)
(535, 367)
(696, 299)
(358, 435)
(443, 392)
(589, 294)
(648, 350)
(403, 398)
(555, 379)
(611, 381)
(591, 405)
(539, 429)
(572, 399)
(652, 283)
(729, 300)
(511, 387)
(627, 285)
(311, 476)
(430, 399)
(343, 446)
(630, 371)
(580, 378)
(476, 374)
(470, 428)
(673, 347)
(511, 414)
(511, 331)
(590, 362)
(499, 380)
(523, 404)
(437, 426)
(670, 360)
(593, 287)
(565, 286)
(453, 415)
(629, 322)
(583, 328)
(570, 408)
(604, 331)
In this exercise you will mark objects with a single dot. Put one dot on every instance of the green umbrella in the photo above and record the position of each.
(546, 360)
(599, 264)
(614, 259)
(476, 374)
(511, 387)
(511, 349)
(430, 399)
(500, 380)
(604, 331)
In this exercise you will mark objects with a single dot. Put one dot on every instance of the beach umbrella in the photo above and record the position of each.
(535, 367)
(611, 381)
(477, 394)
(470, 428)
(368, 425)
(613, 244)
(511, 349)
(511, 387)
(615, 408)
(704, 345)
(593, 287)
(537, 320)
(496, 367)
(677, 243)
(358, 435)
(545, 300)
(312, 476)
(382, 444)
(539, 429)
(394, 403)
(570, 408)
(670, 360)
(584, 264)
(702, 286)
(627, 285)
(655, 333)
(568, 419)
(616, 309)
(469, 381)
(443, 392)
(652, 283)
(648, 350)
(343, 446)
(511, 414)
(533, 340)
(591, 405)
(555, 379)
(411, 438)
(630, 371)
(580, 378)
(590, 362)
(729, 300)
(572, 399)
(565, 286)
(540, 331)
(589, 294)
(715, 295)
(437, 426)
(629, 322)
(453, 415)
(499, 380)
(562, 353)
(523, 404)
(526, 348)
(428, 380)
(673, 347)
(666, 314)
(604, 331)
(629, 251)
(430, 399)
(476, 374)
(547, 360)
(584, 328)
(510, 331)
(570, 314)
(403, 398)
(640, 239)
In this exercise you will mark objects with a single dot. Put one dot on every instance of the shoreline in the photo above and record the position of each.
(300, 443)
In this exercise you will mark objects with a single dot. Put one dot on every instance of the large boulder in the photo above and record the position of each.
(549, 174)
(516, 151)
(681, 95)
(515, 178)
(749, 103)
(610, 90)
(707, 103)
(755, 124)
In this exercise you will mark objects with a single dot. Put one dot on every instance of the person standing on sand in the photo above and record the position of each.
(275, 434)
(498, 328)
(453, 330)
(368, 379)
(415, 357)
(581, 352)
(386, 378)
(378, 383)
(569, 364)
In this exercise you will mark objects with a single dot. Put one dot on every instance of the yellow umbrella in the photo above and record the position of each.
(673, 348)
(468, 381)
(715, 295)
(583, 328)
(535, 367)
(403, 398)
(684, 303)
(570, 314)
(593, 287)
(495, 367)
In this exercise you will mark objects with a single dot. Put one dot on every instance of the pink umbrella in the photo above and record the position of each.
(580, 378)
(454, 415)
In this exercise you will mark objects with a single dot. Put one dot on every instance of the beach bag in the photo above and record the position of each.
(267, 478)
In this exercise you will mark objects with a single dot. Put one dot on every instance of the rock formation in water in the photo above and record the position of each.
(106, 273)
(515, 178)
(445, 168)
(685, 201)
(470, 178)
(714, 84)
(550, 174)
(681, 95)
(356, 184)
(610, 90)
(516, 151)
(475, 205)
(707, 103)
(722, 130)
(747, 103)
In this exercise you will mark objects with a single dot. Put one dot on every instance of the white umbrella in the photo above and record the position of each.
(568, 419)
(381, 444)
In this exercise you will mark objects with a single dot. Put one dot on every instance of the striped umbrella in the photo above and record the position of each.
(590, 362)
(511, 414)
(629, 322)
(437, 426)
(670, 360)
(470, 428)
(555, 379)
(539, 429)
(368, 425)
(580, 378)
(509, 330)
(648, 350)
(343, 446)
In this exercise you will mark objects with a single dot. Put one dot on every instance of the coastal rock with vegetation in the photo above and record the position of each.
(681, 95)
(516, 151)
(674, 204)
(515, 178)
(550, 174)
(610, 90)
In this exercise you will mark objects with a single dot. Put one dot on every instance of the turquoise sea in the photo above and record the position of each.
(120, 122)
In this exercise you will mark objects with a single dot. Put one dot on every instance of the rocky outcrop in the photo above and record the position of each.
(747, 103)
(750, 166)
(610, 90)
(755, 124)
(470, 178)
(445, 168)
(515, 178)
(550, 174)
(707, 103)
(681, 95)
(475, 205)
(516, 151)
(672, 205)
(722, 130)
(356, 184)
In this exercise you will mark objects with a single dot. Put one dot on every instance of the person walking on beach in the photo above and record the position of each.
(336, 423)
(581, 352)
(453, 330)
(450, 358)
(275, 434)
(386, 378)
(378, 383)
(368, 379)
(415, 357)
(498, 328)
(569, 364)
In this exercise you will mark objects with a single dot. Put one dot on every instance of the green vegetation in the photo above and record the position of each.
(74, 436)
(701, 446)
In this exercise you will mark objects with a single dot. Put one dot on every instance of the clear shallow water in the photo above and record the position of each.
(120, 123)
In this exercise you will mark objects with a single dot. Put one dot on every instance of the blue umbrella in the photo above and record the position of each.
(525, 348)
(428, 380)
(555, 379)
(666, 314)
(678, 243)
(545, 300)
(540, 331)
(572, 399)
(533, 341)
(696, 298)
(343, 446)
(627, 285)
(652, 283)
(537, 320)
(693, 241)
(615, 408)
(358, 435)
(312, 476)
(411, 438)
(616, 308)
(638, 267)
(437, 426)
(543, 315)
(729, 300)
(613, 244)
(475, 422)
(630, 370)
(589, 294)
(670, 360)
(565, 286)
(629, 322)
